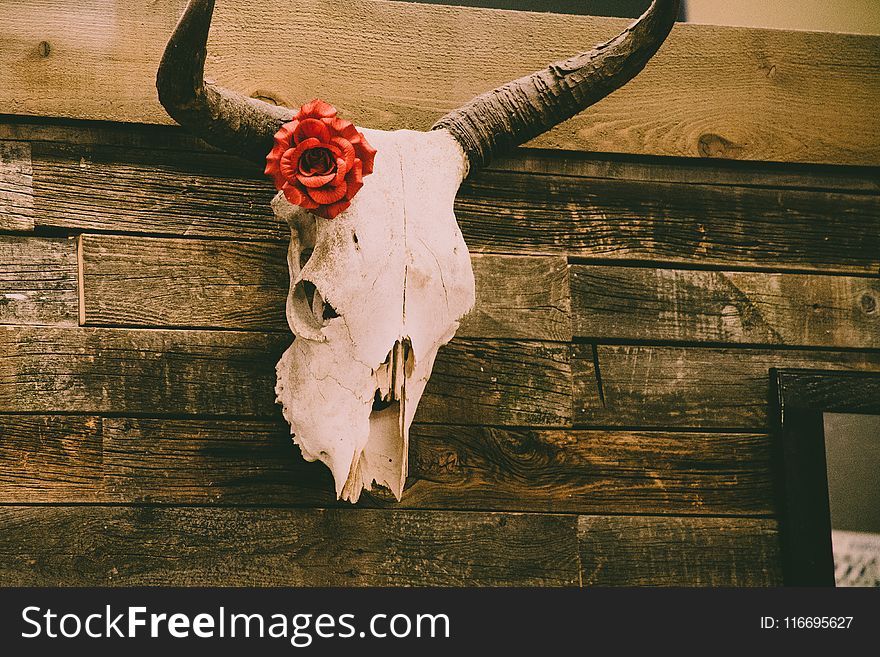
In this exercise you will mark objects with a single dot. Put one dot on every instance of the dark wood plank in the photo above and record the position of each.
(218, 284)
(751, 94)
(16, 187)
(80, 187)
(712, 171)
(198, 194)
(666, 222)
(232, 462)
(134, 371)
(651, 551)
(51, 459)
(590, 471)
(127, 546)
(38, 281)
(690, 387)
(500, 383)
(636, 303)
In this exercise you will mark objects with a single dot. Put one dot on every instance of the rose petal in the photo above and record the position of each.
(296, 196)
(285, 133)
(366, 153)
(343, 128)
(316, 109)
(346, 151)
(316, 181)
(354, 180)
(327, 194)
(317, 162)
(311, 128)
(290, 159)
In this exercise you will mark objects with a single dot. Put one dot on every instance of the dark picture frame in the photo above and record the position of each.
(799, 400)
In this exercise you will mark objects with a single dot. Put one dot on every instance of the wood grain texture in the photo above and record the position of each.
(690, 386)
(52, 459)
(71, 459)
(667, 222)
(239, 285)
(16, 187)
(128, 546)
(173, 193)
(96, 370)
(713, 171)
(635, 303)
(38, 281)
(749, 94)
(87, 188)
(646, 551)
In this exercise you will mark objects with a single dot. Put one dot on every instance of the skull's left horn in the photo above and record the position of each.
(525, 108)
(237, 124)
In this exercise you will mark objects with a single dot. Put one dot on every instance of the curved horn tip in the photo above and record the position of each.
(486, 126)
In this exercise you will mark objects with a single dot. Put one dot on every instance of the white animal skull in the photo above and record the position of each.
(377, 290)
(374, 293)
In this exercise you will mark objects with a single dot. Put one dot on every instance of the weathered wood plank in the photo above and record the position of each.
(128, 546)
(713, 171)
(16, 189)
(38, 281)
(51, 459)
(650, 551)
(635, 303)
(93, 370)
(213, 283)
(201, 194)
(666, 222)
(182, 194)
(750, 94)
(690, 387)
(196, 461)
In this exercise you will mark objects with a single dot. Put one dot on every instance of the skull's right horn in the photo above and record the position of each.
(521, 110)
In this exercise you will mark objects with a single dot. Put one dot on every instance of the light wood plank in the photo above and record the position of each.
(650, 551)
(711, 91)
(230, 373)
(691, 386)
(38, 281)
(70, 459)
(635, 303)
(219, 284)
(16, 187)
(149, 546)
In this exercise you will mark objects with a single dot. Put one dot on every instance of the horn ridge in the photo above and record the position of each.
(522, 109)
(223, 118)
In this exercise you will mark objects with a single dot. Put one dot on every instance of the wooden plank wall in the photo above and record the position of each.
(601, 417)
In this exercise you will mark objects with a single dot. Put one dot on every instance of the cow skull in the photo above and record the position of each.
(377, 290)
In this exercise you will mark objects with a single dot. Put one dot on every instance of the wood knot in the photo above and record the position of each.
(869, 304)
(44, 48)
(268, 97)
(712, 145)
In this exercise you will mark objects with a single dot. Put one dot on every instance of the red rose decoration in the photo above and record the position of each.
(319, 161)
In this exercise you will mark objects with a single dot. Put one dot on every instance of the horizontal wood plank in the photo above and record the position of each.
(71, 459)
(728, 92)
(93, 188)
(16, 187)
(132, 281)
(666, 222)
(129, 546)
(711, 171)
(650, 551)
(634, 303)
(38, 281)
(92, 370)
(696, 387)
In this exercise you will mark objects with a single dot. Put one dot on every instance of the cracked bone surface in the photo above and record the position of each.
(374, 294)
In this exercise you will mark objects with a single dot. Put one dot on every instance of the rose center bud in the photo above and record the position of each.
(317, 162)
